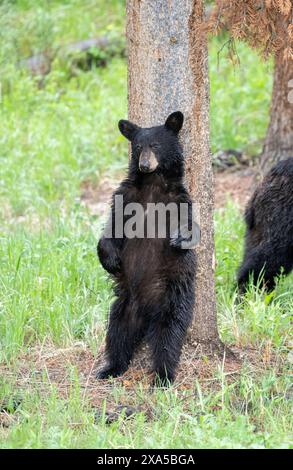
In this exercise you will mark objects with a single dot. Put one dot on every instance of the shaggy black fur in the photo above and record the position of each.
(269, 232)
(154, 278)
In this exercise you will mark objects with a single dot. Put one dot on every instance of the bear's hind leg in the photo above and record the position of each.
(268, 260)
(250, 269)
(167, 335)
(123, 336)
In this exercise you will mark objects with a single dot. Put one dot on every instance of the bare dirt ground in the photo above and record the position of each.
(235, 185)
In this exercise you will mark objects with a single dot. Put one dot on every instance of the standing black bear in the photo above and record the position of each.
(269, 228)
(154, 277)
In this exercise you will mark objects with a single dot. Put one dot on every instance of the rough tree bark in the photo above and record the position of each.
(168, 71)
(278, 143)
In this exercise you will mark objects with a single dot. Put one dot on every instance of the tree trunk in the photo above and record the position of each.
(278, 143)
(168, 71)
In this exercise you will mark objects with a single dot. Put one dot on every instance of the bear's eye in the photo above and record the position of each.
(138, 147)
(155, 145)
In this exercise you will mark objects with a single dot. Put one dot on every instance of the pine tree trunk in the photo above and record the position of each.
(278, 143)
(168, 71)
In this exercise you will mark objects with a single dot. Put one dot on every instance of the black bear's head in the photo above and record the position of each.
(155, 149)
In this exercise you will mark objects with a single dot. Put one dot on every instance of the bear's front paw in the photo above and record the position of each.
(182, 243)
(112, 264)
(109, 256)
(176, 242)
(186, 239)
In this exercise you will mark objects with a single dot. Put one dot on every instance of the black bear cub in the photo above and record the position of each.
(269, 228)
(154, 276)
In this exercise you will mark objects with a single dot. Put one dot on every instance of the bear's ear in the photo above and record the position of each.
(127, 128)
(174, 122)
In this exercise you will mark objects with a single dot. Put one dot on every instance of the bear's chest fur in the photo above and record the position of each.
(149, 261)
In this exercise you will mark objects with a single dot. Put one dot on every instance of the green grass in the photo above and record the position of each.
(219, 420)
(33, 26)
(54, 138)
(53, 291)
(240, 98)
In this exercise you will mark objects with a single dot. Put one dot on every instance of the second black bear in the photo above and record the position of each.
(269, 228)
(154, 277)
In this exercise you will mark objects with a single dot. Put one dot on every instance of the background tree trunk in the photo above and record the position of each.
(168, 71)
(278, 143)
